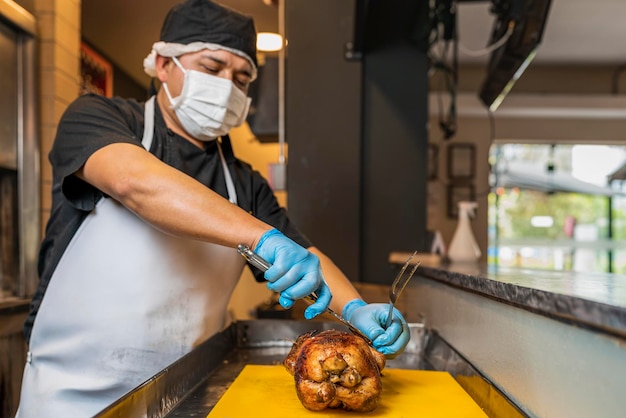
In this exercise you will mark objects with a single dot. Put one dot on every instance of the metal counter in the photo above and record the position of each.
(520, 343)
(192, 386)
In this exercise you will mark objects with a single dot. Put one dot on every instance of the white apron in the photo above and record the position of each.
(124, 302)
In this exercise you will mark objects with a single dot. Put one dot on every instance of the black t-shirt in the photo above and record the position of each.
(92, 122)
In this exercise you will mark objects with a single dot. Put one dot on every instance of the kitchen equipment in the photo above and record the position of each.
(258, 262)
(406, 393)
(398, 286)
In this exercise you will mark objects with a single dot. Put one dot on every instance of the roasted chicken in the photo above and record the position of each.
(335, 369)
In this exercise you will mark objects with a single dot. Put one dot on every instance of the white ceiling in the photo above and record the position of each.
(577, 32)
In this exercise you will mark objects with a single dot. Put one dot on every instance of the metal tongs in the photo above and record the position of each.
(398, 286)
(258, 262)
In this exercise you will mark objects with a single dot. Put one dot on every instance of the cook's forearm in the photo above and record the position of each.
(341, 287)
(169, 199)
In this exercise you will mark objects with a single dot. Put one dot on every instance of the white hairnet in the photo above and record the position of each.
(169, 49)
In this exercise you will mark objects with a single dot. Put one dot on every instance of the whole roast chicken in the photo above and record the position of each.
(335, 369)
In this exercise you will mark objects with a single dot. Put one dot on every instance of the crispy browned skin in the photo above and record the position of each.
(335, 369)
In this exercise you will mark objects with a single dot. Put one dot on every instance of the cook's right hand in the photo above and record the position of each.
(295, 272)
(369, 318)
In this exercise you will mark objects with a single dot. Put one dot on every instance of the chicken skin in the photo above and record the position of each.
(335, 369)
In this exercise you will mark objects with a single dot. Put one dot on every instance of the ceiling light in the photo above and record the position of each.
(268, 42)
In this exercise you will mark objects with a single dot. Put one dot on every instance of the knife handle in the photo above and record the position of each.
(253, 258)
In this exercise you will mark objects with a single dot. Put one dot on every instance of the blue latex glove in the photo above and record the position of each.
(370, 318)
(295, 272)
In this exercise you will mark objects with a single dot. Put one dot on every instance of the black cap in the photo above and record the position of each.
(210, 22)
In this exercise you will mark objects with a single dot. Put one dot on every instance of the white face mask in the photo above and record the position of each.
(208, 106)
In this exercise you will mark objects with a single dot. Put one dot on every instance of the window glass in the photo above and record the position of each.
(558, 207)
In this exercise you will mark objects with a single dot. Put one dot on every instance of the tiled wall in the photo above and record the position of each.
(58, 25)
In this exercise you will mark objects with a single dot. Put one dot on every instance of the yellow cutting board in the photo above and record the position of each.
(269, 391)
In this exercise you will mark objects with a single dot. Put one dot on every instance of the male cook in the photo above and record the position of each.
(149, 204)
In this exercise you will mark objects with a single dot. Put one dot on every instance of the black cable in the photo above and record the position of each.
(492, 138)
(492, 127)
(443, 29)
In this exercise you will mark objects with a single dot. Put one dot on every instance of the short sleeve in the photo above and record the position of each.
(90, 123)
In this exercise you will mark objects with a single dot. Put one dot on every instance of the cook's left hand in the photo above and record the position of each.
(370, 318)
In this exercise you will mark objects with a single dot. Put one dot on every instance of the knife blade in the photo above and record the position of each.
(260, 263)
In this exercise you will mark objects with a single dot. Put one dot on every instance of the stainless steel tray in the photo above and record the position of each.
(193, 385)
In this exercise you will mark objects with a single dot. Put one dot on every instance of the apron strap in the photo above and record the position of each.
(148, 124)
(230, 185)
